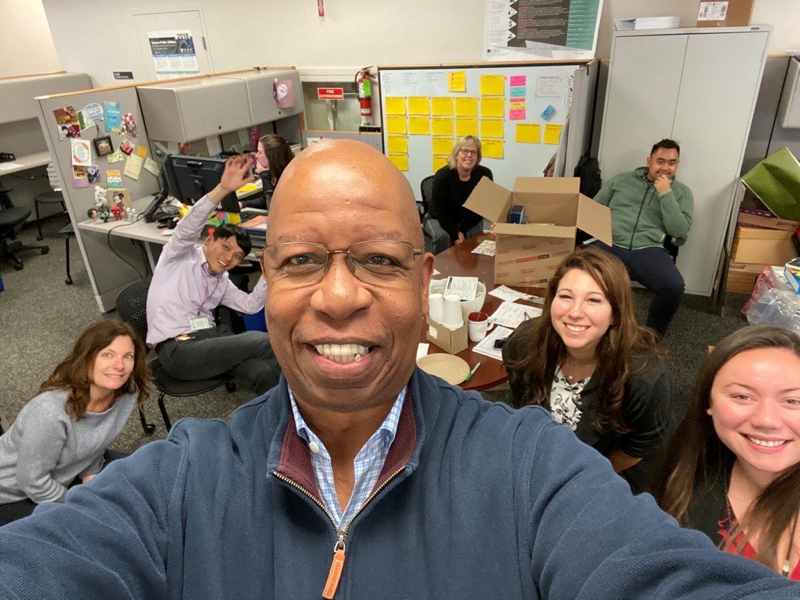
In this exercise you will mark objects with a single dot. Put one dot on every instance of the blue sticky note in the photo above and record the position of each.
(517, 92)
(547, 112)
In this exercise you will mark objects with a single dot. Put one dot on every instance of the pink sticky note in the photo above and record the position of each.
(517, 114)
(517, 80)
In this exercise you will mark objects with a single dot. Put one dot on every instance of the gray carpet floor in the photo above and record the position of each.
(40, 317)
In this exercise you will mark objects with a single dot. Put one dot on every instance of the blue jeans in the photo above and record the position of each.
(654, 269)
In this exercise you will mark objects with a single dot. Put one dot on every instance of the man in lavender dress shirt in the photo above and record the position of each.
(190, 282)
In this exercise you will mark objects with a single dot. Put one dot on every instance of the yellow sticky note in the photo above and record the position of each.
(493, 149)
(466, 107)
(492, 128)
(493, 85)
(442, 146)
(442, 126)
(552, 133)
(141, 150)
(528, 133)
(457, 81)
(439, 162)
(395, 105)
(400, 161)
(419, 105)
(396, 124)
(442, 106)
(398, 143)
(492, 107)
(516, 105)
(419, 125)
(466, 127)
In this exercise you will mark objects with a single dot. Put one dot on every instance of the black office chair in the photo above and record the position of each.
(67, 231)
(436, 239)
(673, 245)
(10, 217)
(132, 308)
(52, 197)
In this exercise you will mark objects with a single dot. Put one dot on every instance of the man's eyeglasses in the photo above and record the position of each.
(468, 151)
(377, 262)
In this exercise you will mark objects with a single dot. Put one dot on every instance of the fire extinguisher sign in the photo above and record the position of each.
(330, 93)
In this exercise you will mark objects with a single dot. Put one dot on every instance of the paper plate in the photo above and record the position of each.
(452, 369)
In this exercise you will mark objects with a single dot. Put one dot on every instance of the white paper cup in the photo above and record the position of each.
(478, 326)
(452, 311)
(436, 307)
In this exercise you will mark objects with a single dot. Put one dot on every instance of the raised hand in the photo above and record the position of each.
(235, 174)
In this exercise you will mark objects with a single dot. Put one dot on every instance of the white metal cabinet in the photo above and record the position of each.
(698, 87)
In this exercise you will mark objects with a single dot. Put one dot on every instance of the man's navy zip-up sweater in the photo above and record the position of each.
(475, 501)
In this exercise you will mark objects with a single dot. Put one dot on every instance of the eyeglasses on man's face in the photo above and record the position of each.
(468, 152)
(376, 262)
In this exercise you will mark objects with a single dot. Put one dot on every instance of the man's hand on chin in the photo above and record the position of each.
(662, 184)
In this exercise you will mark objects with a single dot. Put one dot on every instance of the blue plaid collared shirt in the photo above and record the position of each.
(367, 464)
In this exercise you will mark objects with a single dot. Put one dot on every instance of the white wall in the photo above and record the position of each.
(26, 45)
(94, 36)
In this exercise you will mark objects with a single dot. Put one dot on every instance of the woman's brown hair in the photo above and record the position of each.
(698, 459)
(278, 152)
(73, 373)
(624, 339)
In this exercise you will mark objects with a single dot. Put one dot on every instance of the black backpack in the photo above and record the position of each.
(588, 169)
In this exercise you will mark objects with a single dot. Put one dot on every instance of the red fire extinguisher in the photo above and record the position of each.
(364, 96)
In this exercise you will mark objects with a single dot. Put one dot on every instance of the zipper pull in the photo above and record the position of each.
(335, 574)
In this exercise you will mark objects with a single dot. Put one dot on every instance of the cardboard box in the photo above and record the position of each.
(732, 13)
(449, 340)
(527, 255)
(740, 282)
(762, 246)
(766, 222)
(647, 23)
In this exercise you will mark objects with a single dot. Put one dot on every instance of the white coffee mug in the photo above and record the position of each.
(478, 326)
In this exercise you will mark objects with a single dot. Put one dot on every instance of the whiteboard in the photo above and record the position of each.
(539, 85)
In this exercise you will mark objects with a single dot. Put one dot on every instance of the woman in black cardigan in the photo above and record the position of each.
(453, 184)
(593, 367)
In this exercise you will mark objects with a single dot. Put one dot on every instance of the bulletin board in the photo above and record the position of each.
(518, 112)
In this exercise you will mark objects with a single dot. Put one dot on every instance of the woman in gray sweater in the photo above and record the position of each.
(60, 436)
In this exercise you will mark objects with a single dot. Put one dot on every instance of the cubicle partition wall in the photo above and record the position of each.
(112, 262)
(21, 134)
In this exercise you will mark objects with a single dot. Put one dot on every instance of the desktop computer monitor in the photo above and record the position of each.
(191, 177)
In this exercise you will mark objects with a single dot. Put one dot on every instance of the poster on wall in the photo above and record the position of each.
(530, 29)
(173, 53)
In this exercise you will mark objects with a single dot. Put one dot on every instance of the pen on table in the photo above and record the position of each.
(471, 373)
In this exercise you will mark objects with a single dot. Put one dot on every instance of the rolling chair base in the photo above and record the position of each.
(8, 252)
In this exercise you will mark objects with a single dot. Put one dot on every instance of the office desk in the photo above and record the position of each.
(25, 162)
(459, 261)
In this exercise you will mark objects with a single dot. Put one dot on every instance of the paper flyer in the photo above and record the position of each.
(79, 179)
(133, 166)
(84, 121)
(93, 111)
(509, 314)
(114, 179)
(67, 123)
(81, 153)
(173, 53)
(113, 116)
(151, 166)
(486, 346)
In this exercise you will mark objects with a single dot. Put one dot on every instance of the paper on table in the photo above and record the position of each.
(463, 287)
(506, 293)
(422, 350)
(486, 345)
(509, 314)
(486, 248)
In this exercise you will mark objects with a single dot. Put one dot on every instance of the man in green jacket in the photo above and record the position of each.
(647, 206)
